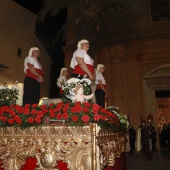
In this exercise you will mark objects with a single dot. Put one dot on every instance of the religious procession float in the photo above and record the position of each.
(73, 134)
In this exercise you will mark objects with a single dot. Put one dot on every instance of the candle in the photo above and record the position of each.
(20, 88)
(105, 105)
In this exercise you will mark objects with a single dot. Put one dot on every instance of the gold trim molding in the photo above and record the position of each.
(84, 147)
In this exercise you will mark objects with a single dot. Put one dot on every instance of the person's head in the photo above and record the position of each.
(64, 72)
(83, 44)
(149, 122)
(100, 68)
(79, 89)
(143, 123)
(34, 52)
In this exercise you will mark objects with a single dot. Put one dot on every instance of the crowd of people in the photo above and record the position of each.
(146, 139)
(82, 67)
(165, 136)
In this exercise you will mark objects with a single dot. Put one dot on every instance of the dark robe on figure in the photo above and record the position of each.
(147, 145)
(143, 138)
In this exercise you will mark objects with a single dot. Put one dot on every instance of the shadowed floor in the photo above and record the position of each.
(137, 161)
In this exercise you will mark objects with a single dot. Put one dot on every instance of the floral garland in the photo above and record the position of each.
(123, 118)
(72, 113)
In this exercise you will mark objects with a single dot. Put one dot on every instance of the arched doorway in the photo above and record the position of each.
(157, 86)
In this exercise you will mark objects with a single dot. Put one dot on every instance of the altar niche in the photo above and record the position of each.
(162, 108)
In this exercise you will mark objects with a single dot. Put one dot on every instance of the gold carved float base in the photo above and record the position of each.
(86, 147)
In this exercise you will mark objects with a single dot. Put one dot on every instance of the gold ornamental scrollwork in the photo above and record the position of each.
(110, 146)
(85, 147)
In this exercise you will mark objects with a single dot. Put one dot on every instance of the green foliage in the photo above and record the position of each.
(8, 96)
(124, 123)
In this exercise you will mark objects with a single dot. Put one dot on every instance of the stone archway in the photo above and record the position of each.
(156, 79)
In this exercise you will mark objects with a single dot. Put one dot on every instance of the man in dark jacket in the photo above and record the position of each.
(132, 139)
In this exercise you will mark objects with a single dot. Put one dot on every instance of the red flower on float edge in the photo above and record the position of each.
(85, 118)
(74, 118)
(72, 113)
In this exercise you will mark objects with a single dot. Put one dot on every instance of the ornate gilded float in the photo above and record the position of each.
(90, 137)
(87, 147)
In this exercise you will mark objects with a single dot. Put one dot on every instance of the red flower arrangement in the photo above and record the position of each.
(72, 113)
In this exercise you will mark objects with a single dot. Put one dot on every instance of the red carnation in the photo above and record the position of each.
(11, 121)
(85, 109)
(40, 114)
(17, 119)
(34, 112)
(65, 109)
(3, 118)
(73, 110)
(12, 106)
(96, 117)
(59, 106)
(95, 108)
(52, 114)
(30, 120)
(19, 109)
(51, 104)
(11, 113)
(35, 105)
(103, 110)
(59, 116)
(26, 111)
(38, 119)
(27, 105)
(96, 105)
(74, 118)
(85, 118)
(44, 111)
(1, 113)
(87, 104)
(43, 106)
(5, 109)
(77, 103)
(65, 116)
(79, 109)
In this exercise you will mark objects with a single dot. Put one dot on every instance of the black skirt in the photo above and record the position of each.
(31, 91)
(100, 97)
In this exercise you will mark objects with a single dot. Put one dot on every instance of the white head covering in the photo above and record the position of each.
(81, 42)
(61, 72)
(31, 50)
(98, 67)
